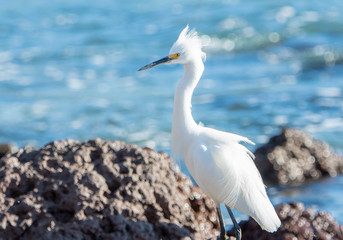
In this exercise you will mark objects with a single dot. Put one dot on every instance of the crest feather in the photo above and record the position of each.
(189, 39)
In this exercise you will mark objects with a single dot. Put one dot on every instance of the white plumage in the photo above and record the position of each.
(221, 166)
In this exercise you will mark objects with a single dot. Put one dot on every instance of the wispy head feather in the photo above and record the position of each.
(189, 43)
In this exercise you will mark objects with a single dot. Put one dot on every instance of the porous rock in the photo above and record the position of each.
(6, 148)
(294, 157)
(99, 190)
(296, 223)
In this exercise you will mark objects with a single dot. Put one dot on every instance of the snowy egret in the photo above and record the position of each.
(220, 165)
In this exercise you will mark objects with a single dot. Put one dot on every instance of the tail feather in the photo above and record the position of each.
(253, 201)
(262, 212)
(267, 218)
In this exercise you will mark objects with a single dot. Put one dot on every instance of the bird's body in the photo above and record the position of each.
(220, 165)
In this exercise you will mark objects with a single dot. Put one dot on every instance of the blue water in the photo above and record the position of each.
(68, 69)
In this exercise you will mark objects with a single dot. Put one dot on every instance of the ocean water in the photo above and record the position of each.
(68, 69)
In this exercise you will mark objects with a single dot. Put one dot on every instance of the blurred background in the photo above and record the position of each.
(68, 69)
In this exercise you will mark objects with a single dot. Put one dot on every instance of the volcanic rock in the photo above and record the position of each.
(296, 223)
(294, 157)
(6, 148)
(99, 190)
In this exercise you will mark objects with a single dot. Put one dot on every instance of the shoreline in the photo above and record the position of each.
(121, 191)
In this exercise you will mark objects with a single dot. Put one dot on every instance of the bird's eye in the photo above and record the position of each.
(174, 56)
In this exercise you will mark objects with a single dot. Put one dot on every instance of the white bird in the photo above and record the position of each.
(220, 165)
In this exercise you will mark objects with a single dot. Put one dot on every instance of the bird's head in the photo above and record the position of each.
(186, 48)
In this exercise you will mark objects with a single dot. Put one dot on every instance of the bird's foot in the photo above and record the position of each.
(223, 236)
(238, 234)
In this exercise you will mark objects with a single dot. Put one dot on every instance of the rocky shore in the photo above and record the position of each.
(297, 223)
(113, 190)
(6, 148)
(99, 190)
(293, 157)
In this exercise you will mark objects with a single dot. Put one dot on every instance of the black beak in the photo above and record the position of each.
(156, 63)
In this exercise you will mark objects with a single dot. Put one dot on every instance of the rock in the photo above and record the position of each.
(6, 148)
(296, 223)
(294, 157)
(99, 190)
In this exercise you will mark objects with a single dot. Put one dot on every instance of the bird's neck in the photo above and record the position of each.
(183, 123)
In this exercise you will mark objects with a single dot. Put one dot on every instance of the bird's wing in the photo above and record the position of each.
(224, 136)
(214, 136)
(215, 176)
(245, 189)
(252, 198)
(214, 159)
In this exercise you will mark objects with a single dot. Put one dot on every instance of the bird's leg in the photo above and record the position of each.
(221, 223)
(237, 228)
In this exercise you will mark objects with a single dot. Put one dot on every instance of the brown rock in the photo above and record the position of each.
(6, 148)
(296, 223)
(294, 157)
(99, 190)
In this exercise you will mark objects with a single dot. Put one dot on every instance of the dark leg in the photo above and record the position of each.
(221, 223)
(237, 228)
